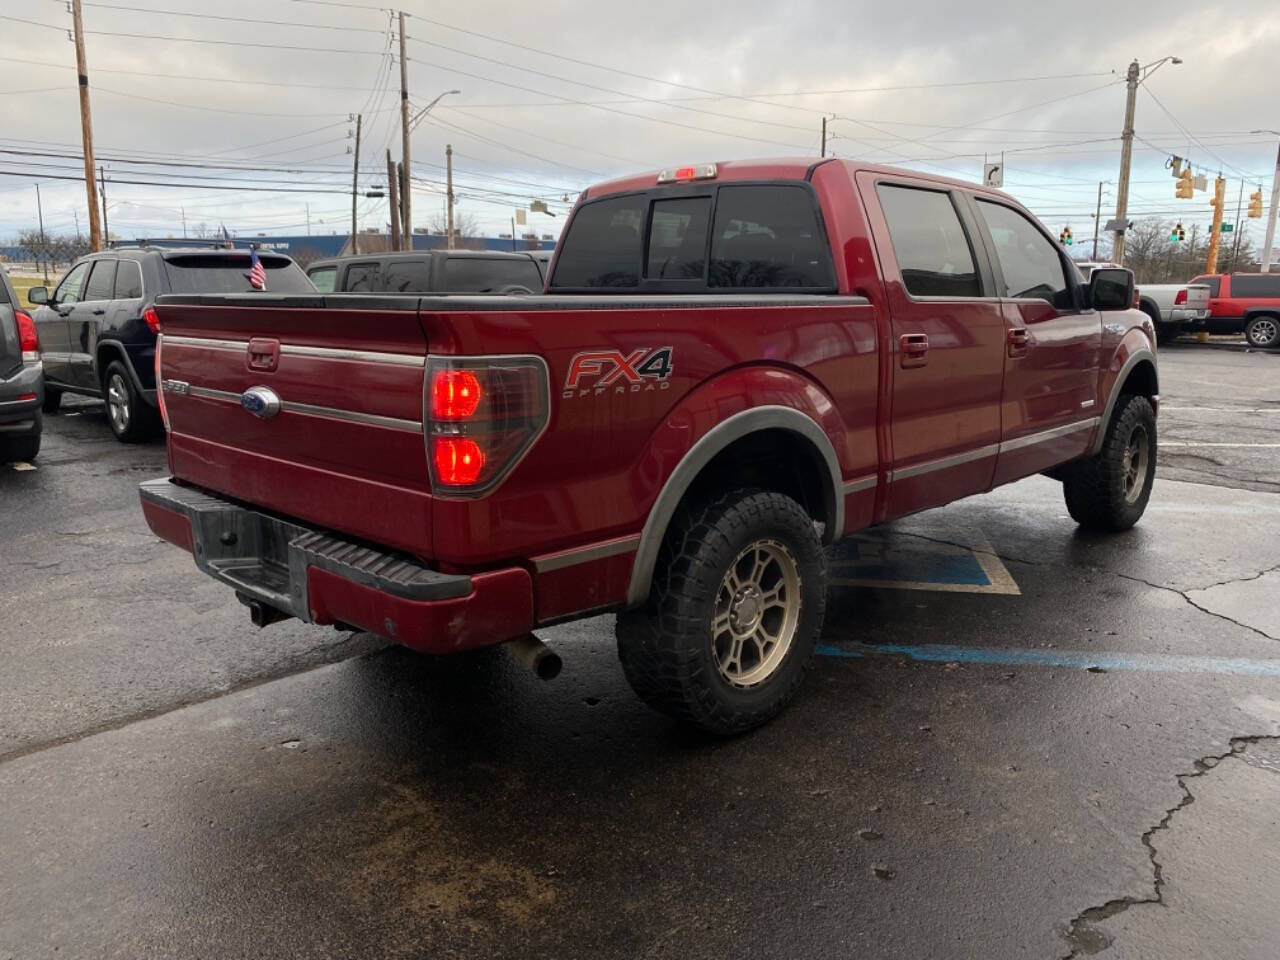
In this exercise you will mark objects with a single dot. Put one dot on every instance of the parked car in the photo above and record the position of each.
(21, 382)
(429, 271)
(1174, 307)
(97, 328)
(735, 364)
(1086, 267)
(1245, 302)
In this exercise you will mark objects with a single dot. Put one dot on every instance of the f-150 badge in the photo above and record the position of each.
(595, 372)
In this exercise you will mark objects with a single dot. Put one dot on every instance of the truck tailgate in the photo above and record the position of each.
(340, 419)
(1197, 296)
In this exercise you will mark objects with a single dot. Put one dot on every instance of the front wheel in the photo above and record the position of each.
(1263, 332)
(733, 615)
(1166, 333)
(1109, 491)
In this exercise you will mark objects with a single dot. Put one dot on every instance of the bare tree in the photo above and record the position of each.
(464, 224)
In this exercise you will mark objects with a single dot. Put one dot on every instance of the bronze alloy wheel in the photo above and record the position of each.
(756, 613)
(1136, 452)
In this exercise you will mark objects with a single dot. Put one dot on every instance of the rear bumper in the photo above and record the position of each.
(320, 578)
(21, 395)
(1192, 317)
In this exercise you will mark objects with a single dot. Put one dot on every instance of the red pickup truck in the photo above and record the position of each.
(1245, 301)
(733, 365)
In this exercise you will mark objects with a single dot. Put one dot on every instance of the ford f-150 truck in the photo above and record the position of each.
(733, 365)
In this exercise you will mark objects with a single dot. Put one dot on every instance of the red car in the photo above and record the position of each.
(733, 365)
(1245, 301)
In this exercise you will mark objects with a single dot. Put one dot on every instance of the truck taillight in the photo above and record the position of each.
(28, 341)
(1180, 298)
(164, 412)
(482, 415)
(152, 319)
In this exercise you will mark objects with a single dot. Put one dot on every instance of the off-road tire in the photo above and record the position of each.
(1263, 333)
(1099, 489)
(52, 399)
(139, 421)
(1166, 333)
(22, 449)
(667, 647)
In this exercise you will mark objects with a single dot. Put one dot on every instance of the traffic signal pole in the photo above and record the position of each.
(1215, 232)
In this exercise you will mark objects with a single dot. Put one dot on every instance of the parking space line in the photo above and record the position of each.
(966, 564)
(1207, 443)
(1167, 409)
(1078, 659)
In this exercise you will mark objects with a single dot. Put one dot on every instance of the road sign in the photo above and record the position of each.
(1114, 226)
(1228, 227)
(993, 174)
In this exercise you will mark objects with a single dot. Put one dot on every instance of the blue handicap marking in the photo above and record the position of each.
(961, 560)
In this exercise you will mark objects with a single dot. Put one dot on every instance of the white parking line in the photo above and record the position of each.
(1167, 409)
(1206, 443)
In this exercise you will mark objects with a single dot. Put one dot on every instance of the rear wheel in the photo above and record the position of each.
(1263, 332)
(1109, 491)
(21, 449)
(131, 419)
(733, 615)
(1166, 333)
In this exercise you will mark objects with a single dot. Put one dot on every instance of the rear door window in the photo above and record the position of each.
(128, 280)
(933, 252)
(603, 246)
(102, 282)
(363, 278)
(484, 275)
(407, 276)
(322, 278)
(768, 236)
(1254, 285)
(229, 273)
(678, 239)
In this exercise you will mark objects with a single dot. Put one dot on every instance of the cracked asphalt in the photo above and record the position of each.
(1087, 763)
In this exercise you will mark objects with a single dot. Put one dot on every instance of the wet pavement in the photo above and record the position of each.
(1018, 741)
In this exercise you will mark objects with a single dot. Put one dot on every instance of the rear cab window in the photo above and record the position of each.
(932, 250)
(229, 273)
(322, 278)
(721, 237)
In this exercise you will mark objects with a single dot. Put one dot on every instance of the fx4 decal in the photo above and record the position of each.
(594, 372)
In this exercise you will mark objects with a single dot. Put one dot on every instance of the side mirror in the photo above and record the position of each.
(38, 295)
(1111, 288)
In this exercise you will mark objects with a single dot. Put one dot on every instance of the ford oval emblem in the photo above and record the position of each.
(261, 402)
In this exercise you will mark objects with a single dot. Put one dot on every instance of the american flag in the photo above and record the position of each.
(257, 275)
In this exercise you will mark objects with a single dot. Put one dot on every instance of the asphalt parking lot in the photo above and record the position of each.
(1018, 741)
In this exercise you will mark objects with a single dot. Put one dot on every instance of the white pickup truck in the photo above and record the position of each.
(1174, 307)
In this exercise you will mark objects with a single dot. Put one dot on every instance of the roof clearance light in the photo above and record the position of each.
(697, 171)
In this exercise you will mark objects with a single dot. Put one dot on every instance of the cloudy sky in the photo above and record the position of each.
(255, 97)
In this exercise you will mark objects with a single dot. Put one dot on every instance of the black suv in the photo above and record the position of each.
(98, 329)
(429, 271)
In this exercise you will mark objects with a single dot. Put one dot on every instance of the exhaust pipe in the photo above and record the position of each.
(536, 655)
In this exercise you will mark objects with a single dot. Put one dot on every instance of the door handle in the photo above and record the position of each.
(1018, 339)
(913, 349)
(99, 312)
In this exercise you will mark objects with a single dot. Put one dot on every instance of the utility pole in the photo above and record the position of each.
(1271, 217)
(1097, 218)
(1126, 157)
(1235, 247)
(393, 197)
(184, 221)
(824, 136)
(1192, 259)
(407, 224)
(86, 129)
(355, 178)
(43, 244)
(448, 166)
(1215, 232)
(102, 180)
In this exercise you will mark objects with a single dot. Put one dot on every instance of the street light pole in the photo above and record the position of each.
(404, 136)
(1275, 201)
(1097, 218)
(1135, 76)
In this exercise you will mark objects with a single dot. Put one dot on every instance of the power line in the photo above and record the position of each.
(211, 16)
(152, 183)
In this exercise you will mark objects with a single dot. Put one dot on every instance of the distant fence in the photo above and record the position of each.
(57, 253)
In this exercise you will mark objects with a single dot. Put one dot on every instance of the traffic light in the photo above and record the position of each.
(1255, 203)
(1184, 188)
(1177, 234)
(1064, 237)
(1182, 234)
